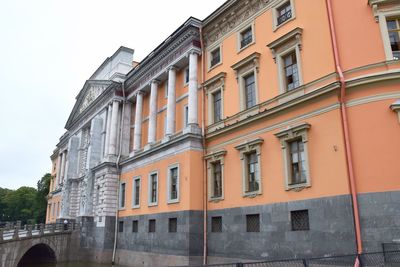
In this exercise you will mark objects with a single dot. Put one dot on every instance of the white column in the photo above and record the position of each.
(108, 126)
(171, 102)
(62, 172)
(138, 121)
(58, 175)
(192, 117)
(112, 149)
(153, 113)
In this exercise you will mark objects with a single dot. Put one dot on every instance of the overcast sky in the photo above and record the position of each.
(48, 48)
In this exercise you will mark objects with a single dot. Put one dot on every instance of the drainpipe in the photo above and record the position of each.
(345, 128)
(118, 170)
(204, 148)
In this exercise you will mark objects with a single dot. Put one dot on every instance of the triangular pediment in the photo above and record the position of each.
(86, 97)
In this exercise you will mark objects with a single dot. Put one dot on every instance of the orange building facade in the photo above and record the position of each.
(268, 130)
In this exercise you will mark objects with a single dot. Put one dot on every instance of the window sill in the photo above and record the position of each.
(251, 194)
(136, 207)
(153, 204)
(244, 47)
(277, 27)
(215, 199)
(286, 96)
(214, 66)
(297, 187)
(175, 201)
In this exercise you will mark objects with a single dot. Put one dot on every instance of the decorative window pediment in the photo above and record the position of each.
(249, 62)
(292, 38)
(218, 81)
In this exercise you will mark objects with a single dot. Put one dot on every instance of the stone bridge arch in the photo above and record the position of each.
(41, 243)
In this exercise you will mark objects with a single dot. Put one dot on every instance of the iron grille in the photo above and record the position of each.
(216, 224)
(300, 220)
(253, 223)
(135, 226)
(173, 225)
(152, 226)
(284, 17)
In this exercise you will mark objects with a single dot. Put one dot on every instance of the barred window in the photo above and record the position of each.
(172, 225)
(284, 13)
(135, 226)
(253, 223)
(250, 90)
(246, 37)
(300, 220)
(291, 71)
(215, 56)
(217, 179)
(216, 224)
(120, 226)
(152, 226)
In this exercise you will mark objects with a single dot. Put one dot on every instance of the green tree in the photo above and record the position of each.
(43, 187)
(20, 204)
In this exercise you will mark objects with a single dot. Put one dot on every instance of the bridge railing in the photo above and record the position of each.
(37, 230)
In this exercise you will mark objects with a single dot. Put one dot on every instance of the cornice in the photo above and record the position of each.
(163, 56)
(220, 77)
(291, 130)
(230, 16)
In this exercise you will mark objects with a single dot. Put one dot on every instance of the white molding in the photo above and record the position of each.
(275, 8)
(239, 36)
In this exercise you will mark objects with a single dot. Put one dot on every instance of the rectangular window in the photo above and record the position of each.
(153, 188)
(152, 226)
(297, 162)
(120, 226)
(253, 223)
(172, 225)
(252, 184)
(215, 56)
(291, 71)
(136, 192)
(217, 180)
(393, 26)
(186, 75)
(284, 13)
(250, 90)
(186, 116)
(122, 196)
(246, 37)
(173, 184)
(217, 105)
(300, 220)
(135, 226)
(216, 224)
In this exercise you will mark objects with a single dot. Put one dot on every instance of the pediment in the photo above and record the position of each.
(87, 96)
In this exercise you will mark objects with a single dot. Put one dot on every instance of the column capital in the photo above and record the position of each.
(155, 81)
(194, 51)
(172, 67)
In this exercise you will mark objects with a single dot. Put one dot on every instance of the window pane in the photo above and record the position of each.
(246, 37)
(122, 197)
(298, 163)
(291, 71)
(250, 89)
(215, 57)
(393, 26)
(217, 106)
(137, 191)
(217, 180)
(284, 13)
(153, 188)
(252, 173)
(174, 183)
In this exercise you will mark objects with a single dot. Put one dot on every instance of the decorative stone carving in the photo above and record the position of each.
(93, 92)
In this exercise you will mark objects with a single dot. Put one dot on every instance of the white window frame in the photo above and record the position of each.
(211, 86)
(281, 47)
(169, 200)
(211, 159)
(239, 36)
(286, 136)
(120, 196)
(209, 54)
(275, 15)
(245, 149)
(381, 15)
(242, 69)
(151, 204)
(134, 206)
